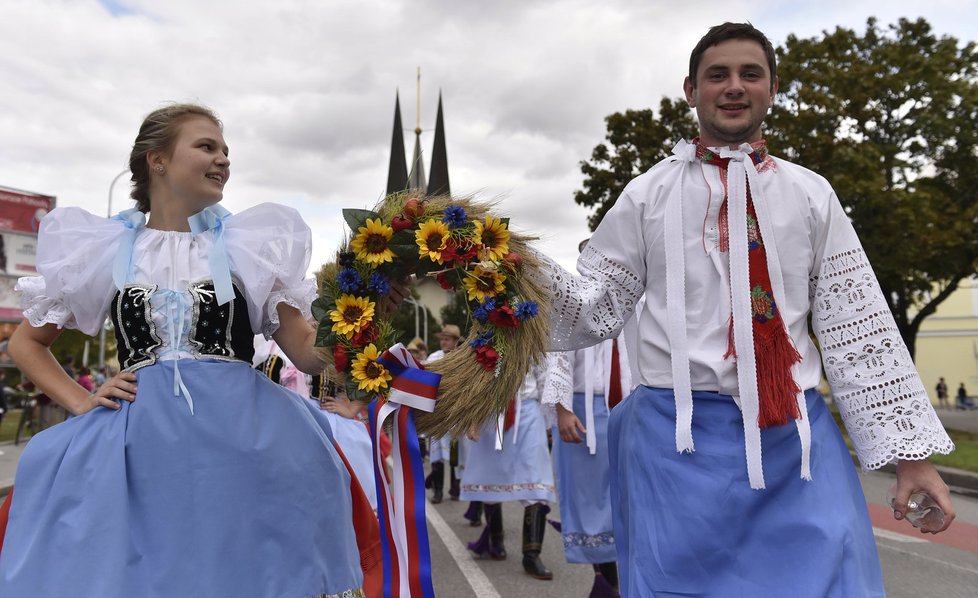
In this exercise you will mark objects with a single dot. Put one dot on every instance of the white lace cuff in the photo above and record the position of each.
(300, 297)
(39, 309)
(559, 387)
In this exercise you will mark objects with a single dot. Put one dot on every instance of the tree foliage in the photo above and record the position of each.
(637, 139)
(887, 116)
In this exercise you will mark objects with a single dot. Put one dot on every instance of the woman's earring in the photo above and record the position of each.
(159, 169)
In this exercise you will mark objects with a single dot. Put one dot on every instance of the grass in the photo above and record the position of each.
(9, 425)
(964, 456)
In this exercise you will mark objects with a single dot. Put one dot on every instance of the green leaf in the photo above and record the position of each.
(355, 218)
(321, 308)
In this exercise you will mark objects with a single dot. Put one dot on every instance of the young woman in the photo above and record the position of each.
(188, 473)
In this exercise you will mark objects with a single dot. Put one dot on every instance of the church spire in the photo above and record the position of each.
(397, 174)
(416, 179)
(438, 179)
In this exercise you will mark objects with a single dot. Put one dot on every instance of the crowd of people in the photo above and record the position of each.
(692, 452)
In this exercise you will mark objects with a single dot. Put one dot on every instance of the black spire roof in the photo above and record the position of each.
(397, 174)
(438, 177)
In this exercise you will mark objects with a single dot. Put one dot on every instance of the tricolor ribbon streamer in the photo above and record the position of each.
(401, 506)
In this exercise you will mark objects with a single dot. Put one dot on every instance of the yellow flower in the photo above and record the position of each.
(494, 236)
(370, 375)
(351, 314)
(431, 237)
(483, 283)
(371, 242)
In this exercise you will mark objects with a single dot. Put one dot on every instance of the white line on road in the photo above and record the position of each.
(923, 557)
(478, 581)
(895, 536)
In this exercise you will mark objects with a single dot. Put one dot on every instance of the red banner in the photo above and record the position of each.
(20, 217)
(21, 211)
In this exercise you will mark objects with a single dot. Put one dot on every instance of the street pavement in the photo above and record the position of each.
(914, 565)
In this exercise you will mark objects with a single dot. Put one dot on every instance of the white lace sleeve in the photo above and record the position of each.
(559, 387)
(270, 247)
(874, 382)
(595, 305)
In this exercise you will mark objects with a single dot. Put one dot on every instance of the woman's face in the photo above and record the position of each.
(198, 166)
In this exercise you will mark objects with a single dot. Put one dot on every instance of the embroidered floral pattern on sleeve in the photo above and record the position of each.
(880, 396)
(506, 488)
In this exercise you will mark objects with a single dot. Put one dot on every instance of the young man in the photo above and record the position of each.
(735, 250)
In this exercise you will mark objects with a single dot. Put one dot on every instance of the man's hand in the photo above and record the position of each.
(920, 476)
(568, 424)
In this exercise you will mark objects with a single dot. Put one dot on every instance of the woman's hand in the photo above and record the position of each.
(341, 406)
(122, 386)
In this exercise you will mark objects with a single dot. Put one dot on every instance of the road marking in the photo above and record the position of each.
(478, 581)
(923, 557)
(896, 537)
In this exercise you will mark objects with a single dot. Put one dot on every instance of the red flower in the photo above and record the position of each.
(340, 360)
(367, 335)
(443, 281)
(487, 356)
(504, 316)
(513, 261)
(453, 252)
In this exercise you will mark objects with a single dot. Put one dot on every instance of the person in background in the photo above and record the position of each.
(942, 394)
(964, 402)
(418, 349)
(85, 379)
(440, 449)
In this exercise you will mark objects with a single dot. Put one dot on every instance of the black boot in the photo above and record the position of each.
(454, 485)
(490, 543)
(474, 513)
(437, 481)
(605, 581)
(534, 524)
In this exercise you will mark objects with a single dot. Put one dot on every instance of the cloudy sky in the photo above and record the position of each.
(306, 90)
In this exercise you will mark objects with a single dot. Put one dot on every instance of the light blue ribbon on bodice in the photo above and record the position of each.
(213, 218)
(176, 306)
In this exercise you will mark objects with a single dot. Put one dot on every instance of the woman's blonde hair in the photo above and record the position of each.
(158, 133)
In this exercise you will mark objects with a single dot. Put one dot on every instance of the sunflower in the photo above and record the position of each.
(431, 237)
(494, 236)
(482, 283)
(371, 244)
(371, 375)
(351, 314)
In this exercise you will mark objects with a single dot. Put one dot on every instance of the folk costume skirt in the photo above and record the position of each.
(690, 525)
(520, 471)
(585, 490)
(244, 497)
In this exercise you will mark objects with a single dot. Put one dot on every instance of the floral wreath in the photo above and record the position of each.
(464, 247)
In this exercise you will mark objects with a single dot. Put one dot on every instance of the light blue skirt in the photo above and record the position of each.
(245, 497)
(690, 525)
(521, 471)
(585, 490)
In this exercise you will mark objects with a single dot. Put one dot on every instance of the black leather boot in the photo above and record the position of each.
(454, 485)
(534, 524)
(474, 513)
(490, 543)
(437, 481)
(605, 581)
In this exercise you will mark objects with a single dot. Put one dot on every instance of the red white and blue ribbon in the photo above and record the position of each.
(401, 501)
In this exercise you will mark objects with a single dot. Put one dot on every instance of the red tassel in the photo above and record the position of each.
(510, 419)
(777, 388)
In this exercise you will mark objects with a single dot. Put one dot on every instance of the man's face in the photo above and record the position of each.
(732, 93)
(447, 343)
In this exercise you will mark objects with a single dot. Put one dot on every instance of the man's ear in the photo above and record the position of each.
(690, 90)
(774, 92)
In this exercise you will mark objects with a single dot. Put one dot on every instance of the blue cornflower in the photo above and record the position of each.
(346, 258)
(526, 310)
(454, 216)
(482, 340)
(379, 284)
(348, 280)
(482, 312)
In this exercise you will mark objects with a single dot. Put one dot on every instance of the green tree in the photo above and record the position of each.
(888, 118)
(637, 139)
(457, 312)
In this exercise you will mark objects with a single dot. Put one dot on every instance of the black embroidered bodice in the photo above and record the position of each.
(216, 331)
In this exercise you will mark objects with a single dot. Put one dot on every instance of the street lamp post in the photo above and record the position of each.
(108, 214)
